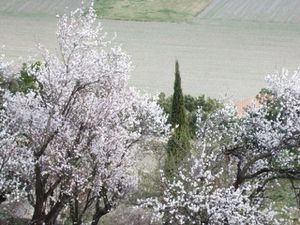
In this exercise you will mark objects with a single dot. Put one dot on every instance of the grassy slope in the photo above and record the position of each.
(150, 10)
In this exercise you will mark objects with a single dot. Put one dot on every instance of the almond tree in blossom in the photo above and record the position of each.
(73, 141)
(264, 141)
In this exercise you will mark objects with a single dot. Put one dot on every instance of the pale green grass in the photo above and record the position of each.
(150, 10)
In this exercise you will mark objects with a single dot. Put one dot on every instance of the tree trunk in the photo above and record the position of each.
(238, 179)
(100, 211)
(74, 212)
(53, 214)
(166, 218)
(38, 218)
(39, 209)
(2, 198)
(97, 216)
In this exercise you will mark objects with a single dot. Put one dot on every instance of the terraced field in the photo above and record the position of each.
(282, 11)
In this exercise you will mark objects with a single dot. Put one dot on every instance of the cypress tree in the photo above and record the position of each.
(178, 147)
(178, 116)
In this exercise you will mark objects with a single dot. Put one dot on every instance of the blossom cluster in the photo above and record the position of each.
(195, 196)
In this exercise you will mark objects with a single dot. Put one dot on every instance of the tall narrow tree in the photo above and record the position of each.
(179, 144)
(178, 116)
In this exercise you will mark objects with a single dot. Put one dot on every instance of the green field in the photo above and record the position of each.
(150, 10)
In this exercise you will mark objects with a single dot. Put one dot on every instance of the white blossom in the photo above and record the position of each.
(195, 196)
(75, 134)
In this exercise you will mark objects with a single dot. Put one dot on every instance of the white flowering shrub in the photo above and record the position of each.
(264, 140)
(195, 196)
(262, 144)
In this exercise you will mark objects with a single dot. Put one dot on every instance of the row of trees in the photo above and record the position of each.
(70, 128)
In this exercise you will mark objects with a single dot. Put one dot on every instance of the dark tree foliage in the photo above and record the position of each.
(192, 104)
(265, 96)
(27, 81)
(178, 147)
(24, 81)
(178, 115)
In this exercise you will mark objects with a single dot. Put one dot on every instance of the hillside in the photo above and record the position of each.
(150, 10)
(216, 54)
(37, 7)
(146, 10)
(281, 11)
